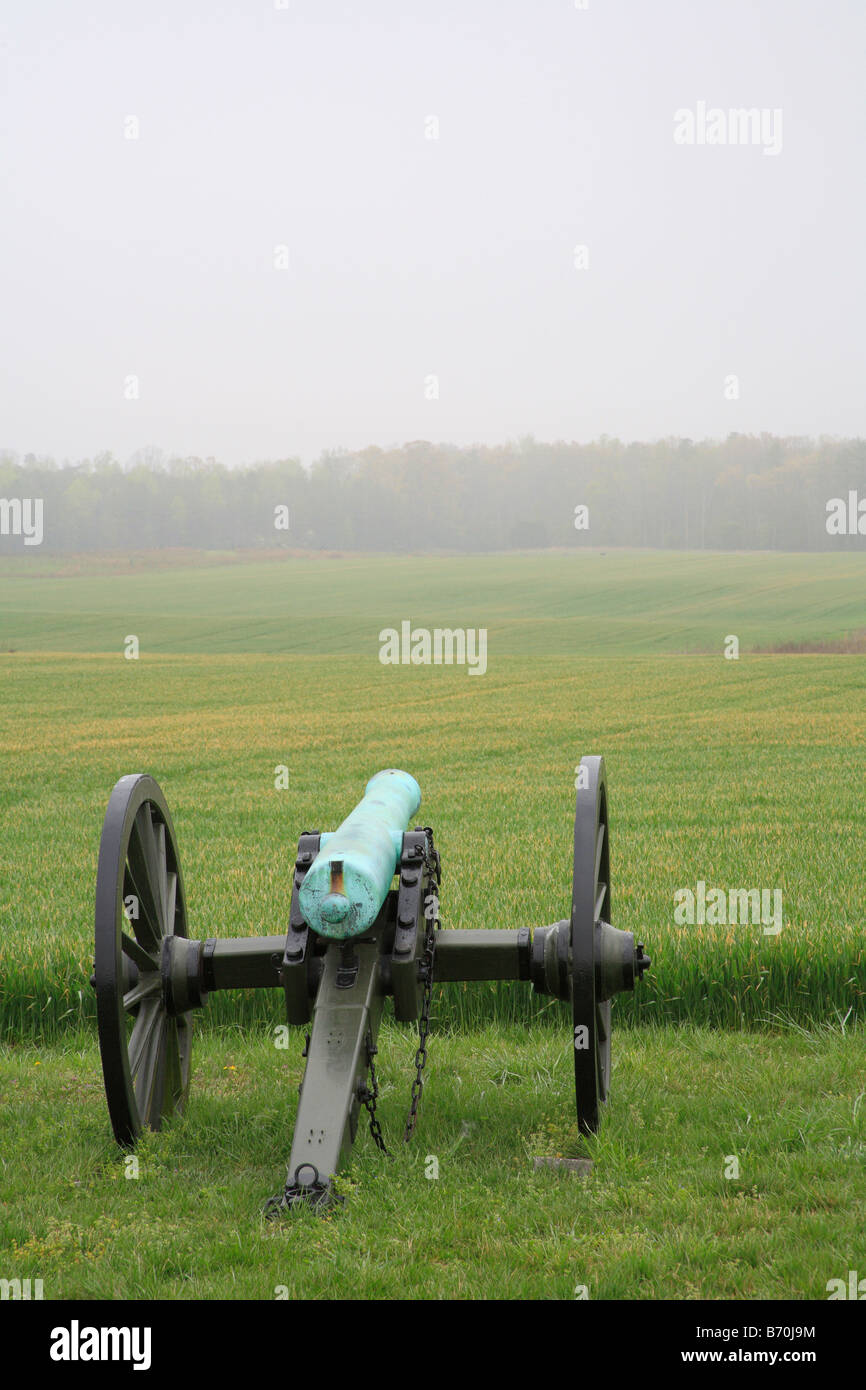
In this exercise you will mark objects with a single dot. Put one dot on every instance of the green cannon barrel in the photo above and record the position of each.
(349, 878)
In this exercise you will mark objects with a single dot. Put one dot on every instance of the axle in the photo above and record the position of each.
(198, 968)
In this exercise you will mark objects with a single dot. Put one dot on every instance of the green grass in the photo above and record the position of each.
(743, 775)
(657, 1218)
(578, 603)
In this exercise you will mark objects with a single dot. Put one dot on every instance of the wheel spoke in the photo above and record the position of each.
(603, 1049)
(146, 924)
(173, 1077)
(147, 987)
(161, 885)
(142, 1032)
(143, 859)
(602, 1021)
(170, 904)
(134, 952)
(150, 1082)
(600, 895)
(599, 849)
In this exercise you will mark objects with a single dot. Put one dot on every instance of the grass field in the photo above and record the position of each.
(657, 1218)
(741, 774)
(534, 604)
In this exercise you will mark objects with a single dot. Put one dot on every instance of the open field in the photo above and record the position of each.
(534, 604)
(741, 774)
(745, 774)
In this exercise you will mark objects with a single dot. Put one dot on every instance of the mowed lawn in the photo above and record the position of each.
(665, 1212)
(738, 774)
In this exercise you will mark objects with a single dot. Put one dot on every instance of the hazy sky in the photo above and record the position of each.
(409, 257)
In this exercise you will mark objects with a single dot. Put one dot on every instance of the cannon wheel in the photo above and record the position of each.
(590, 904)
(139, 902)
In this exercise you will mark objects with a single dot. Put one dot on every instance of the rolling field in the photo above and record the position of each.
(744, 774)
(534, 604)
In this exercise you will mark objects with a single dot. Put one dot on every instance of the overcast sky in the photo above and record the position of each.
(411, 258)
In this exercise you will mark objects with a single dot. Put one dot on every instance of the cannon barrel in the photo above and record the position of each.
(349, 879)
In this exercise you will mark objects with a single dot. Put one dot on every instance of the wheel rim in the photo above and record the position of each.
(590, 905)
(145, 1051)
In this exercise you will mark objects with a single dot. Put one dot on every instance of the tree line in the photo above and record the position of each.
(747, 492)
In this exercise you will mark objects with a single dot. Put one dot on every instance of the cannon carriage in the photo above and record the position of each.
(363, 928)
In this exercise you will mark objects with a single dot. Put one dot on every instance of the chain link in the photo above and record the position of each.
(434, 876)
(369, 1094)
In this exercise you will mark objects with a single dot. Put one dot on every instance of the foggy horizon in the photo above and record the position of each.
(258, 233)
(152, 456)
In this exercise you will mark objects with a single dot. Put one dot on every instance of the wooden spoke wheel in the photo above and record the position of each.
(590, 906)
(139, 905)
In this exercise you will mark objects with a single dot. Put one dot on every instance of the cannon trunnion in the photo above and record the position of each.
(363, 927)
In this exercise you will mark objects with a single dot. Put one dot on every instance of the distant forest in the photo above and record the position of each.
(743, 493)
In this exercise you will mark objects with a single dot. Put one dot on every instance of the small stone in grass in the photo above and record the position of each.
(581, 1166)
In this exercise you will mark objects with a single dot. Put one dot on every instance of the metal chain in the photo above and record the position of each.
(434, 875)
(369, 1094)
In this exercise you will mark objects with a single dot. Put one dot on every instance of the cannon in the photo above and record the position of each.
(355, 937)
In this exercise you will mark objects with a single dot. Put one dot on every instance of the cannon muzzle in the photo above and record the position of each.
(348, 881)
